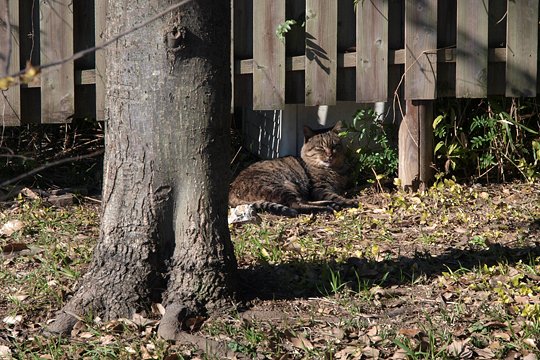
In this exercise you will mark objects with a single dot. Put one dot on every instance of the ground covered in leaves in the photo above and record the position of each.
(453, 272)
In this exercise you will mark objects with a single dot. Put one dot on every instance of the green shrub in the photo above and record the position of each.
(375, 158)
(487, 139)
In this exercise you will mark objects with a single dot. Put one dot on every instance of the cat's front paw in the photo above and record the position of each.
(353, 203)
(336, 206)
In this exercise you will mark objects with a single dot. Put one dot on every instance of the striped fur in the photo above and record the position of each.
(290, 185)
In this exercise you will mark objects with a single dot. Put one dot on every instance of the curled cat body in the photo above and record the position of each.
(291, 185)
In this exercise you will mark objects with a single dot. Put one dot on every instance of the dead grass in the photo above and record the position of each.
(450, 273)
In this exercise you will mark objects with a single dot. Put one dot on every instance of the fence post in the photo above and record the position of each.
(416, 131)
(416, 145)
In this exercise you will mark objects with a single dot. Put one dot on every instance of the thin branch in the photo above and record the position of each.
(8, 31)
(11, 156)
(417, 59)
(7, 149)
(51, 164)
(32, 32)
(84, 52)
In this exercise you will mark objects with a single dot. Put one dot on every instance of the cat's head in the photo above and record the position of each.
(323, 148)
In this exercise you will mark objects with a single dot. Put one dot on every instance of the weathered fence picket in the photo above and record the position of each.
(48, 31)
(420, 49)
(268, 55)
(58, 83)
(472, 49)
(100, 13)
(372, 51)
(10, 105)
(521, 48)
(321, 52)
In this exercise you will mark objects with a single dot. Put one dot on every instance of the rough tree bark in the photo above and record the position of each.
(164, 233)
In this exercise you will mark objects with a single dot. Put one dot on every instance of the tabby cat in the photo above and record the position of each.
(291, 185)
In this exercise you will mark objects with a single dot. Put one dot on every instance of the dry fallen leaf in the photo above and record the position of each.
(30, 194)
(172, 357)
(370, 353)
(484, 353)
(301, 342)
(348, 352)
(145, 354)
(5, 352)
(12, 320)
(194, 323)
(106, 339)
(375, 330)
(14, 247)
(512, 354)
(10, 227)
(459, 348)
(501, 335)
(531, 342)
(86, 335)
(20, 297)
(400, 355)
(410, 333)
(158, 309)
(141, 321)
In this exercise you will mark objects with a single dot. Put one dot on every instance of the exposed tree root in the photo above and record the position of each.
(213, 348)
(171, 327)
(86, 303)
(173, 319)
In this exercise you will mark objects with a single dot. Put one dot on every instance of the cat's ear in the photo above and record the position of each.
(308, 133)
(338, 127)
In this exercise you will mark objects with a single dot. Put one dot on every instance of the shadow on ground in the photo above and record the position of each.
(313, 279)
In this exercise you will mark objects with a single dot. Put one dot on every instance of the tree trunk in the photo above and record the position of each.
(164, 234)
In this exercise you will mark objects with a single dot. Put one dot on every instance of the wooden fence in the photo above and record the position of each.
(42, 32)
(383, 50)
(368, 52)
(458, 48)
(452, 48)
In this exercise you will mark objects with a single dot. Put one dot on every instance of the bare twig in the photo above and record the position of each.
(92, 199)
(427, 51)
(84, 52)
(51, 164)
(377, 180)
(11, 156)
(236, 155)
(32, 34)
(8, 32)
